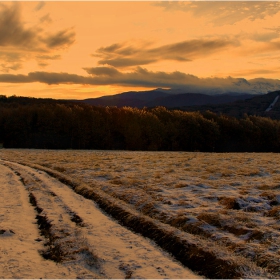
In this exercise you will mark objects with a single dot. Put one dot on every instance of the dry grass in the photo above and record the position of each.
(180, 185)
(228, 202)
(274, 212)
(197, 193)
(116, 181)
(59, 168)
(213, 219)
(268, 195)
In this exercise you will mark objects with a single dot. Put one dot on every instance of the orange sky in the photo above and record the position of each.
(89, 49)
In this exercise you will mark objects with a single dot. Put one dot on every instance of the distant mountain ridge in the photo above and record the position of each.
(232, 103)
(194, 99)
(162, 97)
(255, 105)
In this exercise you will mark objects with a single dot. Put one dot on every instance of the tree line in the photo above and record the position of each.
(52, 124)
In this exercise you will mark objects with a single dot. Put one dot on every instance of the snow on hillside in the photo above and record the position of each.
(228, 201)
(272, 104)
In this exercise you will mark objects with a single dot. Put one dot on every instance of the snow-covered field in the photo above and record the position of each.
(227, 206)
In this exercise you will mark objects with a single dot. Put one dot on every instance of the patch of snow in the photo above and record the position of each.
(19, 243)
(122, 253)
(272, 104)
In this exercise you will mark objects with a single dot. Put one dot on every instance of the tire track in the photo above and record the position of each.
(118, 252)
(64, 242)
(201, 255)
(20, 240)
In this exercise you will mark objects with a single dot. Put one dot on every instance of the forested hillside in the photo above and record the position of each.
(52, 124)
(256, 105)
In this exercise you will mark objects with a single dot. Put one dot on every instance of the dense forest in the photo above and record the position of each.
(53, 124)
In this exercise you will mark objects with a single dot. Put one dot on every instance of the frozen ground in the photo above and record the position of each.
(77, 240)
(230, 203)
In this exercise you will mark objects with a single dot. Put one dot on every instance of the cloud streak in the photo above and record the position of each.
(224, 12)
(28, 43)
(125, 55)
(12, 31)
(6, 67)
(40, 6)
(144, 78)
(46, 19)
(10, 61)
(60, 39)
(261, 72)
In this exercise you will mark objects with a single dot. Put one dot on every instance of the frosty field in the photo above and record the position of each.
(224, 208)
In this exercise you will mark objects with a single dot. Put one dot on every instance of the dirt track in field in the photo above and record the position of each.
(49, 231)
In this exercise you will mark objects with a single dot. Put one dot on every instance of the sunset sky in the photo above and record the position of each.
(88, 49)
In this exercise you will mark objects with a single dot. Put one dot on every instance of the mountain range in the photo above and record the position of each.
(230, 103)
(166, 98)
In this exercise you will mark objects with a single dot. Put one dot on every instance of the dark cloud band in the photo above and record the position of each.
(144, 78)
